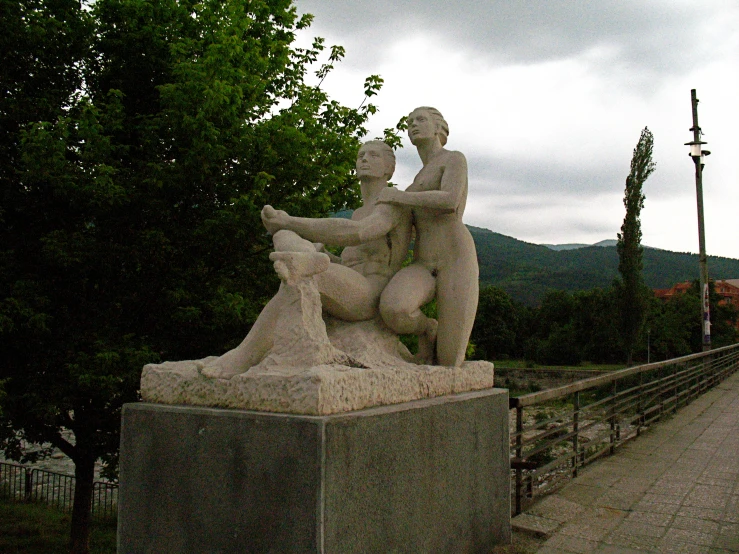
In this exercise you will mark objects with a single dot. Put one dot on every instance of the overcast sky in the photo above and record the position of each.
(547, 99)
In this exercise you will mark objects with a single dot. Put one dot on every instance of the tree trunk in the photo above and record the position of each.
(84, 472)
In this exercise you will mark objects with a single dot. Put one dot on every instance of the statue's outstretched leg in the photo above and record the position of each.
(254, 347)
(294, 257)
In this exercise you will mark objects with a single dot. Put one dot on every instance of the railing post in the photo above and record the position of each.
(94, 499)
(575, 428)
(70, 503)
(722, 369)
(519, 455)
(699, 381)
(706, 382)
(639, 405)
(715, 370)
(674, 378)
(28, 484)
(613, 418)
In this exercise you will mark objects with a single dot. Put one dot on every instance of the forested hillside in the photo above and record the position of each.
(527, 271)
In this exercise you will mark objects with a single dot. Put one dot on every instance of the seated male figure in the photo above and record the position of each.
(376, 241)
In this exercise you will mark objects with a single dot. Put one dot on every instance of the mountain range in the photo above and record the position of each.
(575, 245)
(528, 271)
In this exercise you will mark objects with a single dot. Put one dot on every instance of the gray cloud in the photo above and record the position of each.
(622, 64)
(506, 176)
(547, 217)
(651, 37)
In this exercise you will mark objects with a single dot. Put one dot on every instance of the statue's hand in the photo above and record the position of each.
(274, 220)
(388, 195)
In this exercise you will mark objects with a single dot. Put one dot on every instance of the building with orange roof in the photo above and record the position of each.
(727, 289)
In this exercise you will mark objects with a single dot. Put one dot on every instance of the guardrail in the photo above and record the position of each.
(19, 482)
(570, 426)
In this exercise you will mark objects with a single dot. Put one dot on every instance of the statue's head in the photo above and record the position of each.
(425, 122)
(375, 159)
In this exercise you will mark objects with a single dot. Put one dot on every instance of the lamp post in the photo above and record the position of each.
(699, 156)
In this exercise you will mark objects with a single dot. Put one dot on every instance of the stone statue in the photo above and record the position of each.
(376, 243)
(445, 264)
(327, 342)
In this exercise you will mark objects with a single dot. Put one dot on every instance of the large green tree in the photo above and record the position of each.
(572, 327)
(496, 323)
(553, 338)
(140, 139)
(632, 291)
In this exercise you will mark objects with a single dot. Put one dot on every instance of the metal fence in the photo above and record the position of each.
(54, 489)
(559, 430)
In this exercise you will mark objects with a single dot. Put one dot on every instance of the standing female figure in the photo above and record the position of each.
(445, 261)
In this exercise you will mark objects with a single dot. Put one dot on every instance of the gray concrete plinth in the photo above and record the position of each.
(424, 476)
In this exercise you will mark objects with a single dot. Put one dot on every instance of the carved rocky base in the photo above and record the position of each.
(320, 390)
(374, 372)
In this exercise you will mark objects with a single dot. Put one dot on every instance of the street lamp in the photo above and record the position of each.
(699, 159)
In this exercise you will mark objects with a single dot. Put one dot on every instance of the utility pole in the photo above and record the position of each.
(698, 155)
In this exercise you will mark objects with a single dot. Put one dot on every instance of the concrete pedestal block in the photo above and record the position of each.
(429, 476)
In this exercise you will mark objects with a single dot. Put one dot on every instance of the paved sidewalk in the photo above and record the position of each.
(674, 489)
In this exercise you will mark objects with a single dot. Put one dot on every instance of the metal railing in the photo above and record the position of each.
(23, 483)
(570, 426)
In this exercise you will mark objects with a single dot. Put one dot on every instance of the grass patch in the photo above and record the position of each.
(34, 528)
(523, 364)
(512, 364)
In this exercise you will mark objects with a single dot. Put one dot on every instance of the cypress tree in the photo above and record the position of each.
(631, 289)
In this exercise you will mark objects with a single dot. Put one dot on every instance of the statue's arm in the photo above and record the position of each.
(335, 231)
(383, 220)
(444, 200)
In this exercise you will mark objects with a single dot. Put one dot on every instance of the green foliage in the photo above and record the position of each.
(553, 338)
(669, 326)
(40, 44)
(597, 324)
(496, 323)
(572, 329)
(392, 135)
(675, 327)
(140, 140)
(565, 330)
(632, 293)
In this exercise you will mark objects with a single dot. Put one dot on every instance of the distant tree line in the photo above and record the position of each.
(570, 328)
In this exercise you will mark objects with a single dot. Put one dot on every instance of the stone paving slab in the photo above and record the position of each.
(675, 489)
(535, 525)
